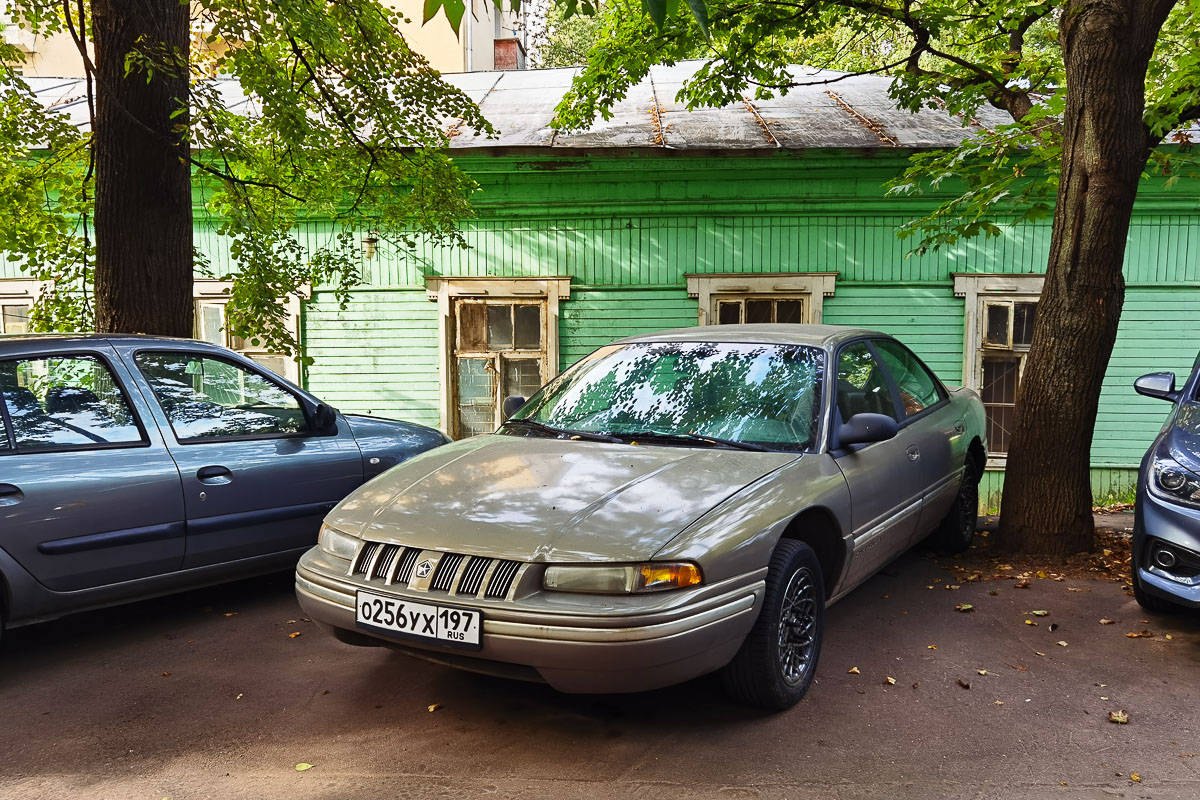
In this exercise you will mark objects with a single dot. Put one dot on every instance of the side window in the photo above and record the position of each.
(210, 398)
(861, 385)
(65, 402)
(918, 388)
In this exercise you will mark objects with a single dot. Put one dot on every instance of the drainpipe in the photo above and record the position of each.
(468, 34)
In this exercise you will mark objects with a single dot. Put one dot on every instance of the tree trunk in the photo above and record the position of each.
(143, 218)
(1047, 502)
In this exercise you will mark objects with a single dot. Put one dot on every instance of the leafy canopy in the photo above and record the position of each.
(345, 126)
(956, 55)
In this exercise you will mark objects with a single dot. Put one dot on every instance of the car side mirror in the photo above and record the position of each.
(1160, 385)
(512, 404)
(866, 428)
(324, 420)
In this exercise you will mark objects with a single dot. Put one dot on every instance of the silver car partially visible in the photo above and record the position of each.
(672, 505)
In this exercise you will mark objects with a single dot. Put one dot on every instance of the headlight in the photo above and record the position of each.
(1175, 482)
(623, 579)
(337, 543)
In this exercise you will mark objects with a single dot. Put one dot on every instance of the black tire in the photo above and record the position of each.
(1149, 602)
(777, 662)
(957, 530)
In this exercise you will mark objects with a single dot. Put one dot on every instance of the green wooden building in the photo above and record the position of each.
(661, 218)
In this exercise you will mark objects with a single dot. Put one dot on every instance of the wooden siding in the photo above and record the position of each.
(1109, 487)
(592, 319)
(379, 356)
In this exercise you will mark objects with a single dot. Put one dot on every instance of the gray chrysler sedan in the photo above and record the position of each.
(671, 505)
(135, 466)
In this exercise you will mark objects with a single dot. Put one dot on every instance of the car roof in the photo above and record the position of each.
(824, 336)
(17, 343)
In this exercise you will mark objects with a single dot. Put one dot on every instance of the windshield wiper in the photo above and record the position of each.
(696, 437)
(550, 430)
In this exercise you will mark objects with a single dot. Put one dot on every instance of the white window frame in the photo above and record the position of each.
(216, 293)
(813, 287)
(19, 292)
(979, 290)
(443, 291)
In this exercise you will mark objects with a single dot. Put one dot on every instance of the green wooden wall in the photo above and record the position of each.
(628, 228)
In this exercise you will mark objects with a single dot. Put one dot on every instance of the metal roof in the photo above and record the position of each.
(839, 112)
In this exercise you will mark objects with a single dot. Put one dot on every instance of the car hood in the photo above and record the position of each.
(540, 499)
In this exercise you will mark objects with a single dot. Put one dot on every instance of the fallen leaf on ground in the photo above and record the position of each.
(293, 635)
(1102, 697)
(890, 681)
(931, 647)
(324, 691)
(1133, 776)
(434, 707)
(916, 684)
(231, 614)
(964, 684)
(953, 586)
(166, 674)
(301, 767)
(982, 671)
(853, 671)
(1041, 573)
(1119, 717)
(998, 703)
(1061, 643)
(1039, 613)
(964, 607)
(290, 622)
(1142, 634)
(1039, 652)
(1030, 622)
(1144, 621)
(1168, 636)
(239, 697)
(1075, 589)
(1106, 622)
(1023, 584)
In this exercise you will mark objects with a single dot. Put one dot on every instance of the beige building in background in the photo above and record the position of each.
(487, 40)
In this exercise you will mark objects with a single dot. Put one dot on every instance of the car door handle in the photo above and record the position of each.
(215, 474)
(914, 453)
(10, 495)
(959, 427)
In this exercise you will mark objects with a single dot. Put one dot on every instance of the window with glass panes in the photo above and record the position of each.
(1006, 333)
(734, 310)
(499, 350)
(210, 327)
(14, 317)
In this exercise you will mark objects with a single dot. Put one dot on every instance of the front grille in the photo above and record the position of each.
(394, 564)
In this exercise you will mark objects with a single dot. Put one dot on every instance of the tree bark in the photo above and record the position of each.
(1047, 501)
(143, 218)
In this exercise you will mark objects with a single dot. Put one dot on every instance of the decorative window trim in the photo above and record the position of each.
(443, 290)
(976, 289)
(20, 291)
(815, 285)
(216, 292)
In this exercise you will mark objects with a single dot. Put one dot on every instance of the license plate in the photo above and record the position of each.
(426, 622)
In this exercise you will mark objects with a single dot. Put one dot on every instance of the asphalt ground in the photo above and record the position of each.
(210, 694)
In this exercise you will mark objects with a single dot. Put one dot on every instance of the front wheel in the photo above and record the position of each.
(777, 662)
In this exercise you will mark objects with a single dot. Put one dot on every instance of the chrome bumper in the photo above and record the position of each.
(585, 653)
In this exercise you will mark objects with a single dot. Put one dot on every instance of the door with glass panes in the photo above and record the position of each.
(499, 350)
(731, 309)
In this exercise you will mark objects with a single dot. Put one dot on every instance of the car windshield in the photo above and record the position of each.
(754, 394)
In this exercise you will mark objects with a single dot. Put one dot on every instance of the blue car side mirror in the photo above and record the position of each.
(1160, 385)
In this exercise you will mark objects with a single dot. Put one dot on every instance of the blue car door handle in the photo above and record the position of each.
(10, 495)
(215, 474)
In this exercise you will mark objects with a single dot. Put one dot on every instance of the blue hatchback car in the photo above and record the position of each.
(1166, 533)
(137, 466)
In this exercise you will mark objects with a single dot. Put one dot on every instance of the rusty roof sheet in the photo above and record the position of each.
(836, 111)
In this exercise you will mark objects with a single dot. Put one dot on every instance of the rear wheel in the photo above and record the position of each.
(777, 662)
(958, 528)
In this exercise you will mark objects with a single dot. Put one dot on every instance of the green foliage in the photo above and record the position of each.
(344, 123)
(955, 55)
(566, 41)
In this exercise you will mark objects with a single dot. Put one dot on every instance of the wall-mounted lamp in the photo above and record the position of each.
(370, 245)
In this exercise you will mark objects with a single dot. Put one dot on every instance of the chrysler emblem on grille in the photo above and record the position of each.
(424, 568)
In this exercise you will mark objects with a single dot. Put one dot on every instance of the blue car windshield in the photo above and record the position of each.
(761, 394)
